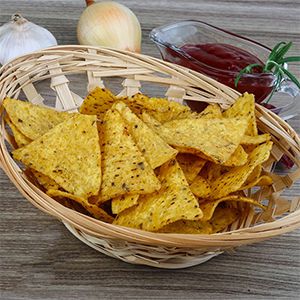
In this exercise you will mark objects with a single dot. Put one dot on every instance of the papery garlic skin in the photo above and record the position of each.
(109, 24)
(20, 36)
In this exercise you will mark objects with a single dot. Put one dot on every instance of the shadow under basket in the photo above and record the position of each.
(25, 78)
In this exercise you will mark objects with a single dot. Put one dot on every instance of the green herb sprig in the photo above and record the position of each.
(274, 64)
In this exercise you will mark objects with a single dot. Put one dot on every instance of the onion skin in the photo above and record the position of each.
(109, 24)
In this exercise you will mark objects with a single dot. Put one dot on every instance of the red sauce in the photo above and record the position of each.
(223, 62)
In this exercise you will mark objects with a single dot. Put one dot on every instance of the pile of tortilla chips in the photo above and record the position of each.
(143, 162)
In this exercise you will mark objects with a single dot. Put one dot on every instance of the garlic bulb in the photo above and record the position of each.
(20, 36)
(109, 24)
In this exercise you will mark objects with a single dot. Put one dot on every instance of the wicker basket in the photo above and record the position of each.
(21, 78)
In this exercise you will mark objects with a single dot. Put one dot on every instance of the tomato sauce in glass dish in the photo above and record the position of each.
(223, 62)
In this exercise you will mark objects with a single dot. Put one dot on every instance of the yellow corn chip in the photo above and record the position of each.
(123, 202)
(97, 102)
(244, 107)
(154, 148)
(188, 227)
(33, 120)
(260, 181)
(190, 164)
(217, 139)
(255, 140)
(69, 154)
(220, 220)
(254, 174)
(125, 170)
(20, 139)
(173, 202)
(231, 181)
(93, 209)
(212, 111)
(200, 187)
(45, 181)
(161, 109)
(223, 217)
(211, 171)
(209, 207)
(238, 158)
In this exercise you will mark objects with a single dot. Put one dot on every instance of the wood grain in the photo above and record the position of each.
(40, 259)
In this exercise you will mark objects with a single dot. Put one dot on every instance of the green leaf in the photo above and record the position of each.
(280, 53)
(289, 59)
(246, 70)
(291, 76)
(274, 50)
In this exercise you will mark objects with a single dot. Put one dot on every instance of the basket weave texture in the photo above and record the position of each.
(131, 245)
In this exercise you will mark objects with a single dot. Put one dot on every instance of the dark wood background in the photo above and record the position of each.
(40, 259)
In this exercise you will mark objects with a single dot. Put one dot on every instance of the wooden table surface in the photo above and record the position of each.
(40, 259)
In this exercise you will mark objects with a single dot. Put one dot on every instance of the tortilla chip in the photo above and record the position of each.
(234, 179)
(161, 109)
(211, 171)
(254, 174)
(125, 170)
(209, 207)
(123, 202)
(190, 164)
(217, 139)
(200, 187)
(244, 107)
(223, 217)
(173, 202)
(238, 158)
(69, 154)
(154, 148)
(45, 181)
(260, 181)
(188, 227)
(212, 111)
(97, 102)
(255, 140)
(20, 139)
(93, 209)
(32, 120)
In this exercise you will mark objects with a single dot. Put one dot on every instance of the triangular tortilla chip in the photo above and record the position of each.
(93, 209)
(32, 120)
(234, 179)
(190, 164)
(45, 181)
(209, 207)
(260, 181)
(125, 170)
(188, 227)
(123, 202)
(238, 158)
(212, 111)
(160, 108)
(217, 139)
(154, 148)
(243, 107)
(223, 217)
(255, 140)
(69, 154)
(200, 187)
(97, 102)
(173, 202)
(255, 174)
(20, 139)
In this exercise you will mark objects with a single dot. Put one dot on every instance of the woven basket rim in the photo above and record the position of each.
(98, 228)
